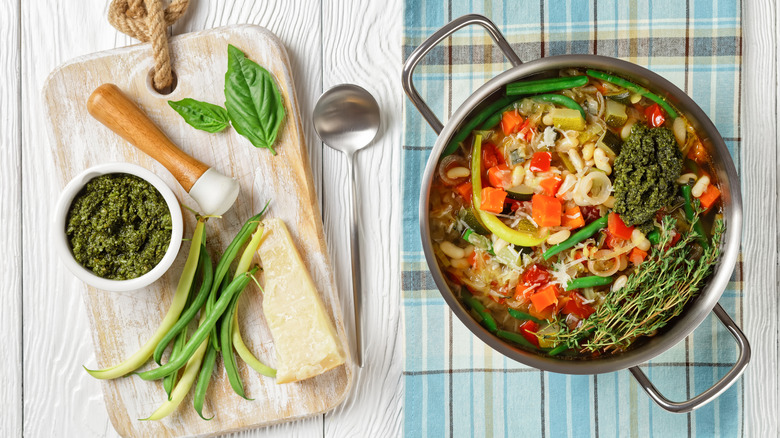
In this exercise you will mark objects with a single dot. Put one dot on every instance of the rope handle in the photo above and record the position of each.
(146, 20)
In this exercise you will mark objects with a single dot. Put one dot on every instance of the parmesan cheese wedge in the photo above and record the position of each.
(304, 337)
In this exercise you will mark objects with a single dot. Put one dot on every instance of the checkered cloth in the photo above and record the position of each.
(455, 385)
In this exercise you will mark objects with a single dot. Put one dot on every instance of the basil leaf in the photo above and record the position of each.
(252, 100)
(201, 115)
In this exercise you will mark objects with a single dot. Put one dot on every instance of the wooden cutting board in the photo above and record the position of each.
(122, 321)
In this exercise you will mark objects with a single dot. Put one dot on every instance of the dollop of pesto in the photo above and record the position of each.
(119, 226)
(645, 174)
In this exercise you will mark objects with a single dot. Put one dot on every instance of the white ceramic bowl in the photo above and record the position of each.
(60, 238)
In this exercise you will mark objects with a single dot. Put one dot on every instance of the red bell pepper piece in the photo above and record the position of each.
(536, 274)
(655, 115)
(619, 229)
(576, 306)
(528, 330)
(540, 162)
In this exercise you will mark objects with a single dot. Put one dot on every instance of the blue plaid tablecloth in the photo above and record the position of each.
(455, 385)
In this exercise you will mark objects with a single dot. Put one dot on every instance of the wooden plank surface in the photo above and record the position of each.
(329, 42)
(11, 218)
(760, 181)
(120, 322)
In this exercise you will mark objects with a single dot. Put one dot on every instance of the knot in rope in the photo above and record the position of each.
(147, 21)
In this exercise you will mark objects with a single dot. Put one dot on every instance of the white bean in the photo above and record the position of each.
(700, 186)
(626, 131)
(587, 151)
(547, 119)
(574, 156)
(518, 174)
(458, 172)
(558, 237)
(635, 97)
(451, 250)
(461, 264)
(602, 161)
(568, 184)
(638, 238)
(680, 131)
(620, 283)
(685, 178)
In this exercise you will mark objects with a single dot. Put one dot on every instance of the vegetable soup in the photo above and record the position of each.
(575, 215)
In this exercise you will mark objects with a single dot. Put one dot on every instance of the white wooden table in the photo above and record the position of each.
(43, 389)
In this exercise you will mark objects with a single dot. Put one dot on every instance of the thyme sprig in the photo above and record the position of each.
(655, 293)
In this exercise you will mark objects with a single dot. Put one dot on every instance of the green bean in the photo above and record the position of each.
(487, 318)
(224, 264)
(578, 237)
(472, 123)
(177, 304)
(204, 377)
(559, 349)
(689, 214)
(517, 338)
(654, 236)
(187, 379)
(238, 341)
(204, 266)
(634, 88)
(169, 382)
(560, 99)
(591, 281)
(545, 85)
(225, 338)
(203, 330)
(516, 314)
(222, 287)
(565, 345)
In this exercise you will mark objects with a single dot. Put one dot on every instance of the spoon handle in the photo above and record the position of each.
(355, 253)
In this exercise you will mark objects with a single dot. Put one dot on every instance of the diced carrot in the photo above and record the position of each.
(546, 297)
(464, 190)
(500, 176)
(572, 218)
(510, 122)
(546, 210)
(540, 161)
(618, 228)
(709, 196)
(551, 185)
(492, 200)
(637, 256)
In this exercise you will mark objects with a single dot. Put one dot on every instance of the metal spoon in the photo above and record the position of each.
(346, 119)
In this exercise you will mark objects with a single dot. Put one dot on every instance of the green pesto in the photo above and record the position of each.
(119, 226)
(645, 175)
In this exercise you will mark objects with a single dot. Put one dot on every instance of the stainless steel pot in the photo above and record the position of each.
(706, 302)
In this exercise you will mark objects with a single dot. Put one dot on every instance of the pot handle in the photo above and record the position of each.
(715, 390)
(447, 30)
